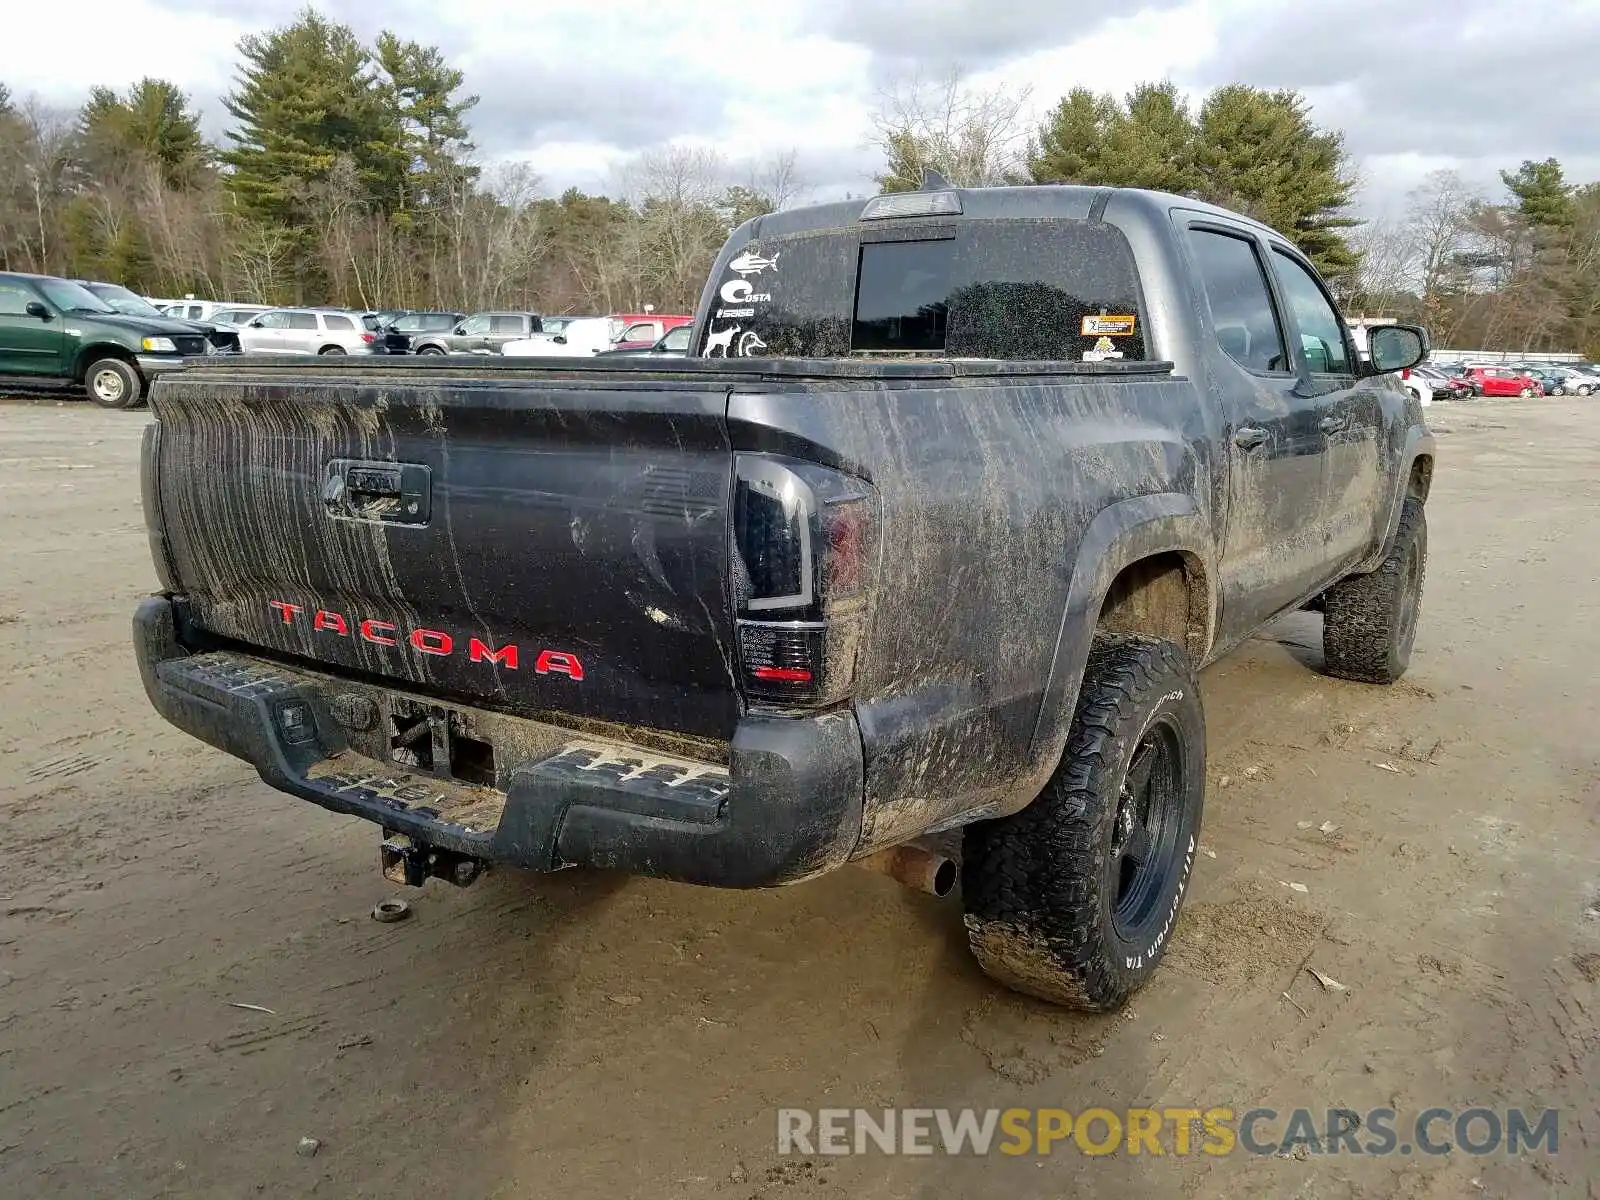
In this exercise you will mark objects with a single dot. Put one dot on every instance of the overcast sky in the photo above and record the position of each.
(575, 87)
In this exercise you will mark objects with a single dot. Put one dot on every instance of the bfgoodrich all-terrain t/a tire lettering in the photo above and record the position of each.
(1370, 621)
(1052, 906)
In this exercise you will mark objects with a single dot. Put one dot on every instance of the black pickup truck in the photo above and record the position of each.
(924, 543)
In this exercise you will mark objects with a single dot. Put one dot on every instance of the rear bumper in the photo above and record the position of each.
(786, 806)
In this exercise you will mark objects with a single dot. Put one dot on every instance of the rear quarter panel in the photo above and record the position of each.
(987, 493)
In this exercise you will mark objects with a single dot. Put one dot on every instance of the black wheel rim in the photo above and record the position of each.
(1148, 824)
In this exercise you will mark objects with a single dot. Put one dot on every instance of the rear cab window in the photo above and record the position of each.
(1053, 289)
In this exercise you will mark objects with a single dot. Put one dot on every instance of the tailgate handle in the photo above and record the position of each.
(387, 492)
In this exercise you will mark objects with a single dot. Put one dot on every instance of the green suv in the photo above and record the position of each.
(54, 331)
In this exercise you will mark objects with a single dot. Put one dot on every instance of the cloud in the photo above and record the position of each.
(976, 34)
(1463, 79)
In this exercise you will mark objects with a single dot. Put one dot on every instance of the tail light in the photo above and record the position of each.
(369, 338)
(805, 551)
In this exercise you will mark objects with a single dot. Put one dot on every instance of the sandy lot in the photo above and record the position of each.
(595, 1036)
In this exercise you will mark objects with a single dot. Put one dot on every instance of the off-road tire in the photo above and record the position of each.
(1370, 621)
(1041, 887)
(113, 383)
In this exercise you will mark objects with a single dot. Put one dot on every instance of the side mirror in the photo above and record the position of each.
(1397, 347)
(256, 324)
(560, 339)
(35, 309)
(459, 331)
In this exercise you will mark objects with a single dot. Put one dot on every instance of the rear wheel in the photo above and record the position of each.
(331, 350)
(113, 383)
(1370, 621)
(1073, 899)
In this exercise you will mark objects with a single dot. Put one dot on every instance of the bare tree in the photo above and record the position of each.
(1387, 272)
(972, 136)
(1437, 216)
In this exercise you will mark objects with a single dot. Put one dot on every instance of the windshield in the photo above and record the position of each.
(72, 297)
(124, 301)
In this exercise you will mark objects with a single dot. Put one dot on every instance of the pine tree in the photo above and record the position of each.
(153, 124)
(421, 91)
(1542, 195)
(307, 95)
(1072, 143)
(1259, 153)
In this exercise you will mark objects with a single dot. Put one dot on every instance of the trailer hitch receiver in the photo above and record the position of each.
(413, 863)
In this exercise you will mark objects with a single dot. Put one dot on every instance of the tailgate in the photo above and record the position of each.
(535, 545)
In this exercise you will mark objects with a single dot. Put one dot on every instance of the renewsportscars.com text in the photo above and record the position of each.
(1164, 1131)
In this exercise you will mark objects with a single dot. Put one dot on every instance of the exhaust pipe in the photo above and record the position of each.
(917, 867)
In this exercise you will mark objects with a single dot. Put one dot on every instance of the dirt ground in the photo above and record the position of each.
(594, 1036)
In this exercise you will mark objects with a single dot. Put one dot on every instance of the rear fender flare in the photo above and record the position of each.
(1124, 533)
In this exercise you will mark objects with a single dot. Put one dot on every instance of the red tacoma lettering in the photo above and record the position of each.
(431, 641)
(369, 626)
(288, 610)
(559, 662)
(505, 657)
(331, 620)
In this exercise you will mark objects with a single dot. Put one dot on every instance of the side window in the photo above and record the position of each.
(302, 320)
(336, 322)
(1241, 303)
(678, 338)
(477, 325)
(505, 323)
(13, 300)
(275, 320)
(1321, 331)
(643, 332)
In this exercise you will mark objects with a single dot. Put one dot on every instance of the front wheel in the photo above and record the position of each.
(1526, 393)
(1370, 621)
(1073, 899)
(430, 350)
(1584, 389)
(113, 383)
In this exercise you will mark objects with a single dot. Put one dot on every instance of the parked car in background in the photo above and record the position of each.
(1553, 383)
(56, 332)
(580, 338)
(640, 331)
(399, 330)
(672, 344)
(219, 340)
(557, 324)
(206, 310)
(1445, 386)
(1504, 381)
(1560, 379)
(308, 331)
(1418, 385)
(481, 333)
(236, 318)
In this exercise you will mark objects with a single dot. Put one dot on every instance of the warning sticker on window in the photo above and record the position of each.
(1103, 325)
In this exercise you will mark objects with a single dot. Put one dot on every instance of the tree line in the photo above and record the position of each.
(347, 174)
(1519, 271)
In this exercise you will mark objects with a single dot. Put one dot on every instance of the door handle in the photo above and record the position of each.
(1331, 424)
(386, 492)
(1248, 437)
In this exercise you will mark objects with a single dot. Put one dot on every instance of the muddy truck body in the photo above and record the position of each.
(922, 545)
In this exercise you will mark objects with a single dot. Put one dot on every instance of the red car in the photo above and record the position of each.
(1503, 381)
(640, 331)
